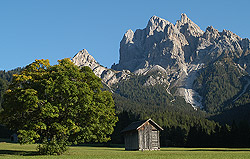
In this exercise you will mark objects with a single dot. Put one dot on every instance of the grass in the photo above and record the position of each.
(12, 150)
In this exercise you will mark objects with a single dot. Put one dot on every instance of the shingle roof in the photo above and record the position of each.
(136, 125)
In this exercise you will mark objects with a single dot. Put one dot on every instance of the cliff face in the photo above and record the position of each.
(173, 53)
(175, 46)
(181, 49)
(160, 43)
(108, 76)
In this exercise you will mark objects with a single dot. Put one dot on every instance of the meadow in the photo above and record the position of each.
(14, 150)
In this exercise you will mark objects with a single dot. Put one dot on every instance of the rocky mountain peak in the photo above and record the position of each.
(211, 29)
(128, 36)
(184, 18)
(156, 23)
(83, 58)
(108, 76)
(188, 27)
(181, 49)
(170, 54)
(160, 43)
(231, 35)
(211, 33)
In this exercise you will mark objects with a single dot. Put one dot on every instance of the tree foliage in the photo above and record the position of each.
(58, 105)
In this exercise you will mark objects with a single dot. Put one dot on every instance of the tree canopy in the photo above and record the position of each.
(58, 105)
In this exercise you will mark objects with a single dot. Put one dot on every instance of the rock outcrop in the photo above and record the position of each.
(108, 76)
(180, 49)
(174, 46)
(173, 52)
(83, 58)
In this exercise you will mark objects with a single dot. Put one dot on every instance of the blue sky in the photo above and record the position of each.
(56, 29)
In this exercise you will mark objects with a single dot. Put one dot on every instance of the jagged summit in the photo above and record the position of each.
(186, 24)
(155, 20)
(180, 49)
(171, 54)
(156, 23)
(108, 76)
(128, 36)
(83, 58)
(173, 46)
(184, 18)
(161, 43)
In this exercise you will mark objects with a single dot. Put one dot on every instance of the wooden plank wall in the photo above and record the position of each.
(131, 141)
(148, 137)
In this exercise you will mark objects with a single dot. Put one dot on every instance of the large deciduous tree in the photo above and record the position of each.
(58, 105)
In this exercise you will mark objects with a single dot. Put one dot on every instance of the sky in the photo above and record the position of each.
(57, 29)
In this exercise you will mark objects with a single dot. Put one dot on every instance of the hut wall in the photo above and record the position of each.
(131, 140)
(145, 135)
(148, 137)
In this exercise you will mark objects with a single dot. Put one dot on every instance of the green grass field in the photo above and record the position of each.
(11, 150)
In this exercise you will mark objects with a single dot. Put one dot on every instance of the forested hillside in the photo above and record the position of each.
(237, 110)
(137, 102)
(183, 126)
(219, 83)
(5, 78)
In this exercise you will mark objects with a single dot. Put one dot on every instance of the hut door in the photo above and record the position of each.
(147, 137)
(155, 139)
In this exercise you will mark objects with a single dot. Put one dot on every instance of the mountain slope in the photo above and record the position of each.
(186, 60)
(108, 76)
(220, 83)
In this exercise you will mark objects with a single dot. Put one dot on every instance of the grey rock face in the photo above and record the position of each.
(160, 43)
(175, 46)
(180, 49)
(172, 53)
(108, 76)
(83, 58)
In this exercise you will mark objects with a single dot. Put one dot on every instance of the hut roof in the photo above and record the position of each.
(138, 124)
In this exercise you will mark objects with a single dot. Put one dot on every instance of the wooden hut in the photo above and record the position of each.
(142, 135)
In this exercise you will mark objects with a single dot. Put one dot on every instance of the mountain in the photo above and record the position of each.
(191, 82)
(108, 76)
(209, 69)
(175, 47)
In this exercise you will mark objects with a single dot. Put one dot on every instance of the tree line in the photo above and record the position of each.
(56, 106)
(192, 133)
(5, 79)
(182, 125)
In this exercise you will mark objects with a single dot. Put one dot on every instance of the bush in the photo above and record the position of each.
(53, 147)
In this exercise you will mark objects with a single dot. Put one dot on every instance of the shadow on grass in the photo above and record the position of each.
(94, 148)
(222, 150)
(100, 145)
(208, 149)
(20, 153)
